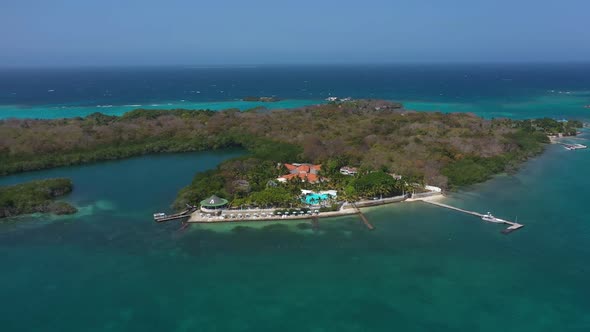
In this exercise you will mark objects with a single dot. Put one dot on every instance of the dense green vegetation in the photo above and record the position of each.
(35, 196)
(440, 149)
(528, 135)
(473, 169)
(37, 144)
(551, 126)
(374, 184)
(270, 196)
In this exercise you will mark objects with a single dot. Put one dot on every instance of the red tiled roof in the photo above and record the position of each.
(290, 167)
(289, 176)
(311, 177)
(304, 172)
(303, 168)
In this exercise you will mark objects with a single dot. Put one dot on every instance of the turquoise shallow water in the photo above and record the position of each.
(491, 90)
(546, 104)
(422, 269)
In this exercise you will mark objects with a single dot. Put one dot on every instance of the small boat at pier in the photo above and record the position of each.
(571, 147)
(159, 215)
(489, 217)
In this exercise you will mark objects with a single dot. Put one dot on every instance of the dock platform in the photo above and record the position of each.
(184, 214)
(513, 226)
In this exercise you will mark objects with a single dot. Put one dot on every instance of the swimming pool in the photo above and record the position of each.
(315, 198)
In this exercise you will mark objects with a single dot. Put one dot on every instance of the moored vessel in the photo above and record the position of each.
(574, 146)
(489, 217)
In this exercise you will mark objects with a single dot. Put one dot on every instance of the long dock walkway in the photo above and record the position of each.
(473, 213)
(513, 226)
(362, 216)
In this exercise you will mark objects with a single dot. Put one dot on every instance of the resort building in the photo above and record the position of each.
(433, 189)
(396, 176)
(305, 172)
(213, 204)
(346, 170)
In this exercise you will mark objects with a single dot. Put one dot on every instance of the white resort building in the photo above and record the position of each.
(346, 170)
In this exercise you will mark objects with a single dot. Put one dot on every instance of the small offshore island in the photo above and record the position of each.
(330, 159)
(271, 99)
(35, 197)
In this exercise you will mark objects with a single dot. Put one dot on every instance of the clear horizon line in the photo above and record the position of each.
(310, 64)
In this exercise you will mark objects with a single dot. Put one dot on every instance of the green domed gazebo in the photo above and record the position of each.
(213, 203)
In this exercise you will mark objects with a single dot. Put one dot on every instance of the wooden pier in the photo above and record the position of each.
(363, 218)
(513, 226)
(315, 223)
(184, 214)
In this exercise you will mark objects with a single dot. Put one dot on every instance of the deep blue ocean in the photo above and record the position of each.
(111, 268)
(493, 90)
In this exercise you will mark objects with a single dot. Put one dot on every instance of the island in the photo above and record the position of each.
(271, 99)
(318, 157)
(36, 197)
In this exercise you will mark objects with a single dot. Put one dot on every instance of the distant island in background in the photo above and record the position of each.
(263, 99)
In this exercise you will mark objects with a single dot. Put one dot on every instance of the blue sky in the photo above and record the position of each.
(221, 32)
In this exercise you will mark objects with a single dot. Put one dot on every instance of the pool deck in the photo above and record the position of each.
(257, 214)
(249, 215)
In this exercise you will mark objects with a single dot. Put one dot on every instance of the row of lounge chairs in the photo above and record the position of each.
(261, 215)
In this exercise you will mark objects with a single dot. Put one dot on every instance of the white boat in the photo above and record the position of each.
(489, 217)
(574, 146)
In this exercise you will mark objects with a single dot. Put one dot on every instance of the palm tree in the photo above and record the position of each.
(382, 189)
